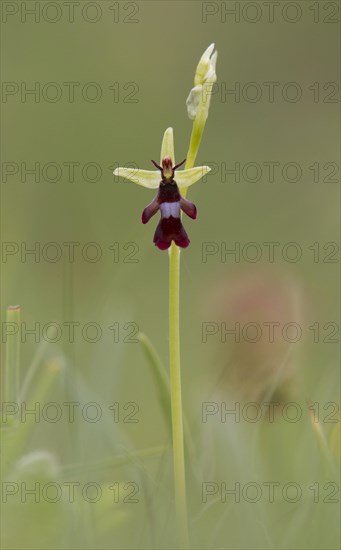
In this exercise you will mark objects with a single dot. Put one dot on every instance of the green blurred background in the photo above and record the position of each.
(142, 58)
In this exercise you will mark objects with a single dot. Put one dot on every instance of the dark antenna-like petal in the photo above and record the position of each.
(156, 165)
(180, 164)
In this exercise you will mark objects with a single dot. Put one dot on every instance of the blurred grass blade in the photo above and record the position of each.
(12, 363)
(335, 442)
(68, 306)
(325, 450)
(26, 385)
(160, 376)
(162, 383)
(45, 381)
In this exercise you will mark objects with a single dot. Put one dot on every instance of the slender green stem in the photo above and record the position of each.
(196, 135)
(176, 399)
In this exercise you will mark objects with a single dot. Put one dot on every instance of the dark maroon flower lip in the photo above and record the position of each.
(168, 230)
(170, 203)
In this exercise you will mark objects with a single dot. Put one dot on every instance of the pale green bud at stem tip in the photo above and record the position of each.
(199, 98)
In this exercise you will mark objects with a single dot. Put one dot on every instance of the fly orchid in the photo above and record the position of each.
(170, 234)
(168, 200)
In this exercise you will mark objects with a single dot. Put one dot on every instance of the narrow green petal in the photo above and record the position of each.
(146, 178)
(185, 178)
(167, 147)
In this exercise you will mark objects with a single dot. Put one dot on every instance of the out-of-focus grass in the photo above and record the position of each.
(52, 473)
(111, 451)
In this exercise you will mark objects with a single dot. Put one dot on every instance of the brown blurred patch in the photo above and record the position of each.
(260, 316)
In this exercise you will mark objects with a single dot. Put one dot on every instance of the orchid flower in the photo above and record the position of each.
(168, 199)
